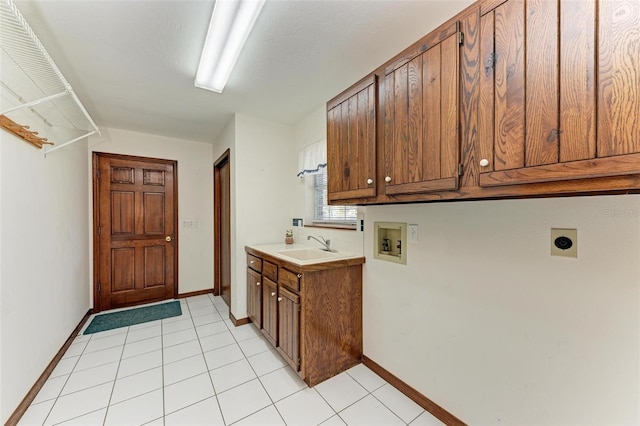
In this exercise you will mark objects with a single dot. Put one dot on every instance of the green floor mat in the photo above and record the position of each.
(133, 316)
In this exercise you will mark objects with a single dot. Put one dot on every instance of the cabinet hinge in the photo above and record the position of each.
(299, 308)
(490, 63)
(98, 174)
(460, 38)
(298, 362)
(460, 170)
(99, 287)
(99, 230)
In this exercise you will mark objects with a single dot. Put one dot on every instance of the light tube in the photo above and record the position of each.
(230, 25)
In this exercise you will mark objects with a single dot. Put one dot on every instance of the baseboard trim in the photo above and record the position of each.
(195, 293)
(33, 392)
(238, 322)
(433, 408)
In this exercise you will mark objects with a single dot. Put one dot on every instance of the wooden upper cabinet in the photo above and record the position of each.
(351, 142)
(421, 107)
(559, 94)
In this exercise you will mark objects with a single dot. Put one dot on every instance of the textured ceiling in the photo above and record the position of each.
(132, 63)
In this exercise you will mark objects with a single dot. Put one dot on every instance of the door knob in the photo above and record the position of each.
(168, 238)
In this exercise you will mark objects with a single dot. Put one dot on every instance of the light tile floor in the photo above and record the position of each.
(198, 369)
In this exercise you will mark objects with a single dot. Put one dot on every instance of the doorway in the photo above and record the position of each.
(135, 213)
(222, 227)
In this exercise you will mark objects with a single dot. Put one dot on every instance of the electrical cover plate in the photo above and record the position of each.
(564, 242)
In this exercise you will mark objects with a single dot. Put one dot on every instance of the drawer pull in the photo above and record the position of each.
(258, 283)
(251, 262)
(369, 181)
(484, 162)
(279, 299)
(273, 293)
(387, 179)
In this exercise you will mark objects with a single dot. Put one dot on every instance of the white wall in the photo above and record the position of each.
(195, 199)
(44, 259)
(486, 323)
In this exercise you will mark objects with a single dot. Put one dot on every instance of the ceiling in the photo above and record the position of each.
(132, 63)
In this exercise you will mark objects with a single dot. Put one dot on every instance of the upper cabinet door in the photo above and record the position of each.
(351, 142)
(559, 95)
(421, 105)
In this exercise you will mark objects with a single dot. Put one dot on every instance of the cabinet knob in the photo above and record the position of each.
(484, 162)
(369, 181)
(299, 275)
(387, 179)
(273, 293)
(258, 283)
(279, 299)
(251, 262)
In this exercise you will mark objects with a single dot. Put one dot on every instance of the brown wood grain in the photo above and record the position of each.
(599, 167)
(486, 102)
(577, 81)
(270, 271)
(414, 121)
(426, 403)
(432, 113)
(425, 43)
(343, 171)
(331, 330)
(237, 322)
(194, 293)
(619, 77)
(388, 158)
(509, 86)
(401, 127)
(37, 386)
(134, 215)
(254, 262)
(424, 186)
(289, 327)
(334, 150)
(351, 91)
(487, 6)
(353, 157)
(469, 109)
(449, 80)
(370, 149)
(289, 279)
(254, 297)
(222, 227)
(270, 310)
(542, 138)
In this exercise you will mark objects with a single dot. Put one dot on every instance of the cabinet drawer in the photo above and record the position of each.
(270, 271)
(289, 279)
(254, 263)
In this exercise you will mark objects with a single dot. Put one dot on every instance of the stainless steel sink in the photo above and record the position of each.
(308, 254)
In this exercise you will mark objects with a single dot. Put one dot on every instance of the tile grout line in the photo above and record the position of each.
(106, 413)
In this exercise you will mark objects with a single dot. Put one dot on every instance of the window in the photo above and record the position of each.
(324, 213)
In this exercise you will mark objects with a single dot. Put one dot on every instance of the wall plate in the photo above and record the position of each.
(564, 242)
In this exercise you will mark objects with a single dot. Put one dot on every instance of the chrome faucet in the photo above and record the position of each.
(325, 243)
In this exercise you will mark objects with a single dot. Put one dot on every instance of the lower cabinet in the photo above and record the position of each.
(254, 297)
(289, 327)
(270, 310)
(317, 337)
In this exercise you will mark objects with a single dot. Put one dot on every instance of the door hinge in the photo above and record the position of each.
(460, 38)
(460, 170)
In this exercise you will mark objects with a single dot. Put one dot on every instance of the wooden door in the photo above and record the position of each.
(351, 142)
(222, 227)
(289, 327)
(270, 310)
(558, 90)
(135, 213)
(254, 297)
(421, 118)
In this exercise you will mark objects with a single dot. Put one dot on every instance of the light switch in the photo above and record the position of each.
(412, 233)
(564, 242)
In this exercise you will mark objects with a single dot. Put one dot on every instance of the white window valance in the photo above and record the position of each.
(312, 158)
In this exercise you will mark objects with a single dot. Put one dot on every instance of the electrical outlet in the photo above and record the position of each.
(564, 242)
(412, 233)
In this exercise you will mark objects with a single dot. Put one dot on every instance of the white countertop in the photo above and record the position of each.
(279, 250)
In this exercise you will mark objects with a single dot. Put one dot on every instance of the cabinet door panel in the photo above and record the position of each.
(351, 146)
(449, 144)
(254, 297)
(509, 86)
(289, 327)
(542, 137)
(431, 104)
(400, 173)
(619, 78)
(270, 310)
(577, 98)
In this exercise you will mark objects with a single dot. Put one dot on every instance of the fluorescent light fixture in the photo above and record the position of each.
(231, 23)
